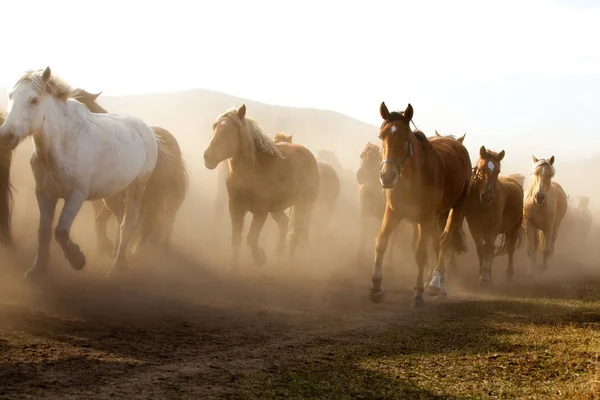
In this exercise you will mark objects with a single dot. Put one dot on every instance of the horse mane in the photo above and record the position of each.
(55, 86)
(252, 138)
(535, 178)
(282, 138)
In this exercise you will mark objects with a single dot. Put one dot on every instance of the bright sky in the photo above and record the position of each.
(506, 69)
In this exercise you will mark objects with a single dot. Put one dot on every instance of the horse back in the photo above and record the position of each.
(512, 192)
(451, 171)
(560, 200)
(330, 182)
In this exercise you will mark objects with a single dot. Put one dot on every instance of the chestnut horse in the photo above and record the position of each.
(264, 178)
(424, 178)
(544, 208)
(494, 207)
(167, 187)
(6, 194)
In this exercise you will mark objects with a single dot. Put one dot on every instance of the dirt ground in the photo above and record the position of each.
(177, 326)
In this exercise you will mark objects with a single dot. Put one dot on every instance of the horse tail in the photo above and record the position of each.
(165, 191)
(6, 197)
(519, 232)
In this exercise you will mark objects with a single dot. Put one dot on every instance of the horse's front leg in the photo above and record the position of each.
(237, 214)
(102, 214)
(485, 277)
(424, 235)
(258, 221)
(480, 248)
(454, 222)
(283, 223)
(389, 223)
(547, 250)
(62, 233)
(531, 235)
(47, 207)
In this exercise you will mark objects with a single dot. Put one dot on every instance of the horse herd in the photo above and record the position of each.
(137, 173)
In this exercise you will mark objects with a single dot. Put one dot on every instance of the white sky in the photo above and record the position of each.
(450, 59)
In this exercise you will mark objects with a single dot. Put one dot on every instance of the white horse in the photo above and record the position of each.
(78, 156)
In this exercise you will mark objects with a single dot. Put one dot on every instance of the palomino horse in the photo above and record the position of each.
(519, 178)
(372, 198)
(167, 188)
(544, 209)
(329, 188)
(6, 194)
(494, 207)
(78, 156)
(264, 178)
(424, 178)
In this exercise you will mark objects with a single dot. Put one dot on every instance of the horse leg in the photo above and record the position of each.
(115, 205)
(547, 250)
(282, 221)
(478, 239)
(389, 223)
(531, 235)
(485, 277)
(47, 207)
(435, 244)
(73, 203)
(512, 237)
(102, 214)
(425, 233)
(237, 215)
(258, 221)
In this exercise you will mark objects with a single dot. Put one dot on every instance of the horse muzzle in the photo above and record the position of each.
(388, 176)
(8, 140)
(539, 198)
(209, 161)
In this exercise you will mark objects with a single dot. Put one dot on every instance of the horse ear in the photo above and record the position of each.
(535, 160)
(437, 134)
(241, 112)
(46, 75)
(462, 138)
(501, 155)
(95, 96)
(482, 152)
(408, 113)
(551, 160)
(383, 111)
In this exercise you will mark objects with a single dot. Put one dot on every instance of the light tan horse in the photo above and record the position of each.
(424, 178)
(166, 190)
(264, 178)
(6, 194)
(519, 178)
(544, 208)
(494, 207)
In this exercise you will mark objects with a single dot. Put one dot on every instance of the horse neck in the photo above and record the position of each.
(414, 168)
(61, 123)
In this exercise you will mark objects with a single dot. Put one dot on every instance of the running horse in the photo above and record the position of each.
(494, 207)
(264, 177)
(168, 185)
(423, 178)
(78, 156)
(544, 208)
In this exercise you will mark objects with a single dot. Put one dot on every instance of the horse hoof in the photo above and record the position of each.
(260, 257)
(418, 302)
(378, 296)
(484, 282)
(35, 272)
(432, 290)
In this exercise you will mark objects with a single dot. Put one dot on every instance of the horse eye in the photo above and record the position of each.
(34, 101)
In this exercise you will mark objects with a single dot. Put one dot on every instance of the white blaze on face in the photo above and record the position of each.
(223, 122)
(393, 129)
(491, 166)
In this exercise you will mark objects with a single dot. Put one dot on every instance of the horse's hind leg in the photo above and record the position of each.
(547, 250)
(133, 204)
(512, 237)
(282, 222)
(47, 207)
(237, 215)
(116, 206)
(389, 223)
(424, 235)
(102, 215)
(258, 221)
(531, 235)
(73, 203)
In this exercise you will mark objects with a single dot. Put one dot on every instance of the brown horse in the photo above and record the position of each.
(544, 208)
(424, 178)
(494, 207)
(166, 190)
(264, 178)
(329, 188)
(519, 178)
(6, 194)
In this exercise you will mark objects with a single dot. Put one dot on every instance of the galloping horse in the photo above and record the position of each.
(264, 178)
(329, 188)
(6, 194)
(167, 187)
(494, 207)
(544, 209)
(78, 156)
(424, 178)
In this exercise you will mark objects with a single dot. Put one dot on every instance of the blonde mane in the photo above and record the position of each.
(283, 138)
(252, 138)
(535, 178)
(55, 86)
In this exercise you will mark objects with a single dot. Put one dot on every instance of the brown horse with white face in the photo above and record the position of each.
(544, 209)
(264, 177)
(423, 179)
(495, 207)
